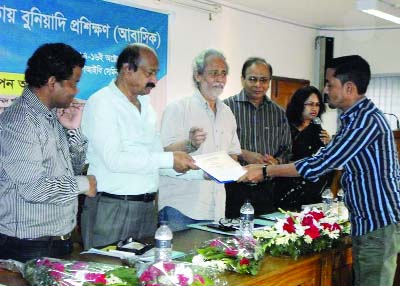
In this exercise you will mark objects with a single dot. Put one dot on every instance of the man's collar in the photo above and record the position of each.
(34, 102)
(355, 107)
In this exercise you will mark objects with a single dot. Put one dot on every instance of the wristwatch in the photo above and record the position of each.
(264, 171)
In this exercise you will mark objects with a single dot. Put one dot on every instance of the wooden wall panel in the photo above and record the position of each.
(282, 89)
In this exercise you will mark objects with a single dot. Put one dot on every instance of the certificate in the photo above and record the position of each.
(220, 166)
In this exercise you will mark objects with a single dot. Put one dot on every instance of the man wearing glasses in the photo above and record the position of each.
(125, 152)
(264, 135)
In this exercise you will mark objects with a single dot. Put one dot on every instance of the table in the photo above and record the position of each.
(330, 268)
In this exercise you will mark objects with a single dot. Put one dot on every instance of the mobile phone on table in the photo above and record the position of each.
(134, 246)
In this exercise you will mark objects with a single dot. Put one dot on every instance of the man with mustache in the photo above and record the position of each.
(198, 124)
(125, 152)
(263, 132)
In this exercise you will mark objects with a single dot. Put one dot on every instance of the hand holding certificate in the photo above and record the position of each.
(220, 166)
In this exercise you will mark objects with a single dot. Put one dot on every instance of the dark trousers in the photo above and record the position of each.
(107, 220)
(259, 194)
(24, 249)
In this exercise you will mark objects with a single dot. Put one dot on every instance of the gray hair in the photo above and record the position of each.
(199, 62)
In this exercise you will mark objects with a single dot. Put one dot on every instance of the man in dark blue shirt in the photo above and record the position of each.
(364, 147)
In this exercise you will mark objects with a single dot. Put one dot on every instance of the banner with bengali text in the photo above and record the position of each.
(97, 29)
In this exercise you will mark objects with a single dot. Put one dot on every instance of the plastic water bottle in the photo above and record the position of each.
(246, 219)
(327, 200)
(340, 195)
(163, 237)
(340, 203)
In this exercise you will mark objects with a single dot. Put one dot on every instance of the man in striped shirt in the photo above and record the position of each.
(41, 150)
(364, 146)
(264, 135)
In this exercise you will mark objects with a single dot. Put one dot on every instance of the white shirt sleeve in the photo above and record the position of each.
(115, 139)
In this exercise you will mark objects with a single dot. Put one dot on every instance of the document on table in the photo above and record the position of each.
(216, 227)
(220, 166)
(111, 251)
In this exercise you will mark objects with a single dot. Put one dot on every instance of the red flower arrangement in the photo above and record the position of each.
(298, 234)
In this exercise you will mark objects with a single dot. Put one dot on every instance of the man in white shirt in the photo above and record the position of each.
(197, 124)
(125, 152)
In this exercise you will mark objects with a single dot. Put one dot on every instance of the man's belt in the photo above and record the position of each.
(51, 238)
(42, 238)
(148, 197)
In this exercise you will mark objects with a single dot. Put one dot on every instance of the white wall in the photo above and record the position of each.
(380, 48)
(290, 49)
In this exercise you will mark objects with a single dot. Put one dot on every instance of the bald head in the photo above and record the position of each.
(137, 67)
(133, 55)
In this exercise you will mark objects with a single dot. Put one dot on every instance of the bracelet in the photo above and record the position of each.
(190, 147)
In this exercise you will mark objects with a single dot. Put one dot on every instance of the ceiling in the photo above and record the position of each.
(339, 14)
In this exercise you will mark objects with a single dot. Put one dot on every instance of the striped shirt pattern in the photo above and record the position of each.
(365, 148)
(263, 129)
(38, 159)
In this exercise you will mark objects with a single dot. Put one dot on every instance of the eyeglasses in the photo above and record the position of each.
(315, 104)
(254, 79)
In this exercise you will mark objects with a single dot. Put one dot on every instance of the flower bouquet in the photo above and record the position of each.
(179, 274)
(234, 253)
(299, 234)
(56, 272)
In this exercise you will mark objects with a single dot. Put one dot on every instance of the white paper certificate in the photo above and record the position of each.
(220, 166)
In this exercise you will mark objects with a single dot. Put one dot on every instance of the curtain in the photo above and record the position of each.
(384, 91)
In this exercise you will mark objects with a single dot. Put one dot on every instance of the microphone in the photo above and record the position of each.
(317, 122)
(397, 119)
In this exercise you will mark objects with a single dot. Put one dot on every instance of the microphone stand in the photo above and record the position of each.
(397, 119)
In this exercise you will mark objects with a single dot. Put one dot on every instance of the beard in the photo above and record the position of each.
(213, 93)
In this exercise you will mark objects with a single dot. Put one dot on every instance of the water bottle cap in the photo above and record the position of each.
(163, 222)
(247, 201)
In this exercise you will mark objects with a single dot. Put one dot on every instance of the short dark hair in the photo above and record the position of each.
(131, 55)
(255, 60)
(352, 68)
(295, 107)
(56, 59)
